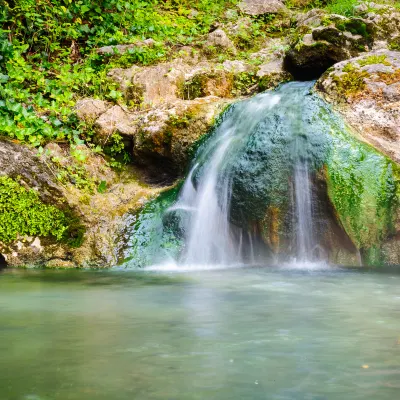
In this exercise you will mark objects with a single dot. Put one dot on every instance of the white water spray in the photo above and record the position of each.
(209, 234)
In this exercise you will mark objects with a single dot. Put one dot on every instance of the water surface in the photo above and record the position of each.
(246, 333)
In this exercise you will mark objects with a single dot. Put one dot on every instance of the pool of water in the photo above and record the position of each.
(248, 333)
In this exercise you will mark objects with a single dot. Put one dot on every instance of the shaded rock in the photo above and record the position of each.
(339, 38)
(366, 91)
(260, 7)
(90, 109)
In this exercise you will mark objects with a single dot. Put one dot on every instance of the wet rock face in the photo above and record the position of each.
(366, 90)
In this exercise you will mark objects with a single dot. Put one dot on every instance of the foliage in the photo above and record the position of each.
(394, 44)
(342, 7)
(23, 213)
(375, 59)
(48, 56)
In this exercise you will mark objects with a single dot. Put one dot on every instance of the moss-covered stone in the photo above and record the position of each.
(364, 187)
(352, 81)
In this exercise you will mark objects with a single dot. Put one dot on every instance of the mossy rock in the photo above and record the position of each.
(309, 61)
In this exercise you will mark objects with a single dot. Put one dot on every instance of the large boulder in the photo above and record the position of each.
(366, 90)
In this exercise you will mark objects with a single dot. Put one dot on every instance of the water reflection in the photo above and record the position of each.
(246, 333)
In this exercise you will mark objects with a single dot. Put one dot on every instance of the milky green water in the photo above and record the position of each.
(251, 333)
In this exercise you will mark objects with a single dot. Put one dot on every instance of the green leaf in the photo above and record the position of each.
(102, 188)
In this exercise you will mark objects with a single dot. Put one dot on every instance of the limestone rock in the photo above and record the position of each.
(220, 40)
(236, 66)
(366, 90)
(260, 7)
(115, 120)
(166, 134)
(384, 17)
(272, 73)
(91, 109)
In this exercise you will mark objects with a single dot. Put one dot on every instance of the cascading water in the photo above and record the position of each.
(210, 237)
(257, 190)
(303, 217)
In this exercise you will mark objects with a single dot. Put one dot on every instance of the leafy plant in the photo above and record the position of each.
(23, 213)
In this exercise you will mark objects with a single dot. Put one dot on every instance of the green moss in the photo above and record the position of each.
(354, 26)
(375, 59)
(23, 213)
(364, 188)
(394, 44)
(352, 82)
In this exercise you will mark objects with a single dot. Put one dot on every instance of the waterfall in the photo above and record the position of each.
(303, 217)
(209, 236)
(255, 190)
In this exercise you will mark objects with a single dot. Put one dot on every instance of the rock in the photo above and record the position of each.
(90, 109)
(260, 7)
(33, 172)
(152, 86)
(59, 263)
(272, 73)
(339, 38)
(220, 40)
(115, 120)
(100, 217)
(123, 48)
(236, 66)
(124, 77)
(366, 90)
(166, 135)
(384, 17)
(311, 19)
